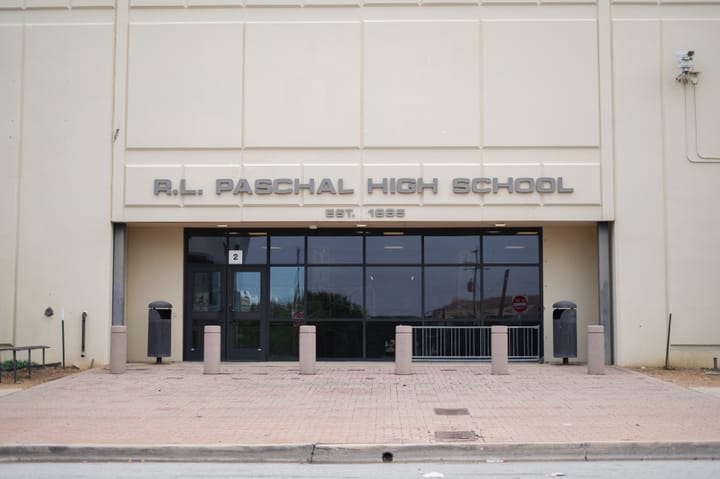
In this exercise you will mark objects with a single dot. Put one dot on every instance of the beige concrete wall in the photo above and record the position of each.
(666, 229)
(411, 91)
(10, 87)
(56, 74)
(570, 273)
(154, 273)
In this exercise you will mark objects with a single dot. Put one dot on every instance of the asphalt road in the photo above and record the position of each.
(518, 470)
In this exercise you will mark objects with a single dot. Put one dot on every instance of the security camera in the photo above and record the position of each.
(685, 60)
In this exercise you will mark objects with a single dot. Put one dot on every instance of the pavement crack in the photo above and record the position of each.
(312, 454)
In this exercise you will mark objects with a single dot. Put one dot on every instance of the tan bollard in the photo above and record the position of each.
(118, 349)
(403, 349)
(499, 346)
(211, 350)
(307, 349)
(596, 349)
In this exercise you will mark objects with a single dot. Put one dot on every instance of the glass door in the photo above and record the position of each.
(246, 325)
(205, 304)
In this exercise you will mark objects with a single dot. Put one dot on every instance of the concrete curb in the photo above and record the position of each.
(374, 453)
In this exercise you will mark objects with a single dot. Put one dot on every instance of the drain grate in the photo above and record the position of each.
(452, 411)
(455, 435)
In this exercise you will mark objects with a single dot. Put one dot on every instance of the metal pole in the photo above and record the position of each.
(82, 340)
(667, 345)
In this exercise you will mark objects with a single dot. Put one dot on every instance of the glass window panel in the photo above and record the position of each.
(511, 249)
(452, 292)
(339, 339)
(287, 249)
(206, 291)
(452, 249)
(287, 292)
(393, 292)
(246, 291)
(207, 250)
(335, 250)
(247, 334)
(522, 293)
(254, 248)
(392, 250)
(334, 292)
(283, 340)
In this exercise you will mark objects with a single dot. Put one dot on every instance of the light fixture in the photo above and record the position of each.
(361, 226)
(499, 225)
(313, 227)
(222, 226)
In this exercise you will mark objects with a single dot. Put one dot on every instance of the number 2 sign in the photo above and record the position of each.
(235, 256)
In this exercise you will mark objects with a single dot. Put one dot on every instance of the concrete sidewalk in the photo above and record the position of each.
(354, 411)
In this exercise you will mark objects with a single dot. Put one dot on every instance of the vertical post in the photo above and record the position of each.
(211, 350)
(499, 347)
(605, 286)
(118, 349)
(307, 349)
(403, 349)
(596, 349)
(118, 292)
(118, 330)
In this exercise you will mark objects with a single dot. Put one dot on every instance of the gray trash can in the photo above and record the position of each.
(159, 314)
(565, 330)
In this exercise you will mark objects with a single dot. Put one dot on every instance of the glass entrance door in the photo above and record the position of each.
(234, 298)
(246, 323)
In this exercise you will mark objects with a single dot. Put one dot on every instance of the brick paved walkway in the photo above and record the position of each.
(356, 403)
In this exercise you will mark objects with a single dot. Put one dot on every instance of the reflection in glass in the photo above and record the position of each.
(207, 250)
(283, 340)
(254, 248)
(206, 291)
(511, 249)
(339, 339)
(335, 249)
(392, 250)
(287, 249)
(393, 292)
(334, 292)
(502, 284)
(452, 292)
(452, 249)
(287, 292)
(247, 334)
(246, 291)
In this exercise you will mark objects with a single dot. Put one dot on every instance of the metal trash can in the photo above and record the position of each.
(565, 330)
(159, 314)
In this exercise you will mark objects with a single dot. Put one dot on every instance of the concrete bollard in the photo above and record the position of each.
(308, 355)
(499, 346)
(596, 349)
(118, 349)
(211, 350)
(403, 349)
